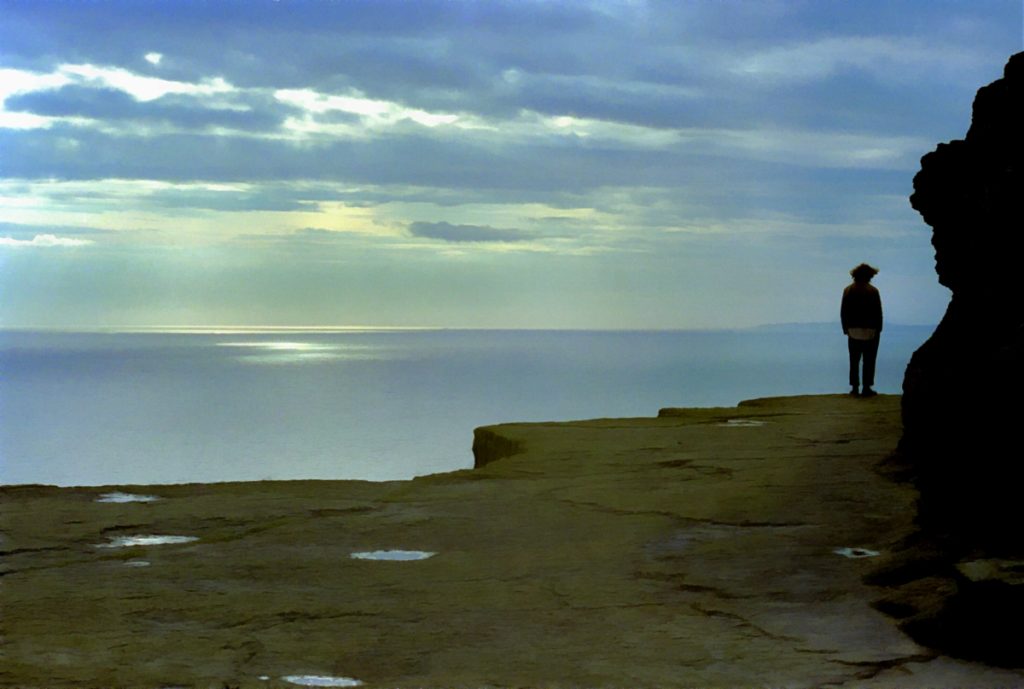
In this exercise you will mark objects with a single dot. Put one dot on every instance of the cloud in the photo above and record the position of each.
(466, 233)
(260, 199)
(124, 196)
(19, 230)
(141, 87)
(43, 240)
(105, 104)
(657, 126)
(888, 58)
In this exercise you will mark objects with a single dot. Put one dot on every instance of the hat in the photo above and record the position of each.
(864, 272)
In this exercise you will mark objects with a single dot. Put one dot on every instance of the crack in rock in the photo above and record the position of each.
(873, 668)
(743, 622)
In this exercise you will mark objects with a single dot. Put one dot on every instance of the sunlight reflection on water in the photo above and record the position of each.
(289, 352)
(281, 346)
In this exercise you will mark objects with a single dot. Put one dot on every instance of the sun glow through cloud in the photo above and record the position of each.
(43, 240)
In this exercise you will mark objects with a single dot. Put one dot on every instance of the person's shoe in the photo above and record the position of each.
(853, 392)
(868, 392)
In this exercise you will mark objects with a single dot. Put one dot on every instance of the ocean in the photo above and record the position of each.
(102, 408)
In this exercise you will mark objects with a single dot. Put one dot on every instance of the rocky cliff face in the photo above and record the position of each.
(962, 390)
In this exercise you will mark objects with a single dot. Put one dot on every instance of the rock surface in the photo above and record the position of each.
(971, 192)
(963, 455)
(701, 548)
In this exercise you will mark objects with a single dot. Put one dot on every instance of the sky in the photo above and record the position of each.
(437, 163)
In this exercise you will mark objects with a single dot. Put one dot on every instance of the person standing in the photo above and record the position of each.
(861, 315)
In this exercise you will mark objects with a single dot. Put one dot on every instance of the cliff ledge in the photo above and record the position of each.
(705, 547)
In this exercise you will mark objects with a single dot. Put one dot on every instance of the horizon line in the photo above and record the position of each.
(270, 329)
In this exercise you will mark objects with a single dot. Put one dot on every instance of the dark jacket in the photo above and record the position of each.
(862, 307)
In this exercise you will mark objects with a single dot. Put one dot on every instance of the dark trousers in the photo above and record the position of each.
(869, 350)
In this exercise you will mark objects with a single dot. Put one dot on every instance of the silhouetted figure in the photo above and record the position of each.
(861, 314)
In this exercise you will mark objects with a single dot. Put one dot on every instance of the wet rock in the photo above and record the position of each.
(119, 497)
(856, 553)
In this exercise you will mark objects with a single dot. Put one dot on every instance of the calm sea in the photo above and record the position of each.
(165, 407)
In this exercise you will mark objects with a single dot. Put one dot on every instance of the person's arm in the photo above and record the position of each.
(844, 311)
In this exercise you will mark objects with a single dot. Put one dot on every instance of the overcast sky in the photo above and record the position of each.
(481, 164)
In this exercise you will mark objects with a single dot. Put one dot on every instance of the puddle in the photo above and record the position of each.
(742, 423)
(400, 555)
(856, 553)
(129, 541)
(126, 497)
(322, 681)
(136, 563)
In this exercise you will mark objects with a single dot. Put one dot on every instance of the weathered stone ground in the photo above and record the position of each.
(697, 549)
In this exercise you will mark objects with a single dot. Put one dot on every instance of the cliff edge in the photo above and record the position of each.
(705, 547)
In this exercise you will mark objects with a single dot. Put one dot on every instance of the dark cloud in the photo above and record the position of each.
(611, 61)
(616, 102)
(113, 105)
(283, 44)
(466, 233)
(265, 199)
(417, 169)
(67, 152)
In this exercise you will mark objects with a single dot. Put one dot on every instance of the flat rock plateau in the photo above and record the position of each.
(721, 547)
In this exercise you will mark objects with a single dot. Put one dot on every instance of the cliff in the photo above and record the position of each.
(705, 547)
(961, 390)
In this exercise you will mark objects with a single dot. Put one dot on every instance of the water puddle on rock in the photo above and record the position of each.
(394, 555)
(126, 497)
(856, 553)
(322, 681)
(136, 563)
(742, 423)
(130, 541)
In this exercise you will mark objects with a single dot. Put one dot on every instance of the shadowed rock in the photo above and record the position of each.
(960, 391)
(960, 402)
